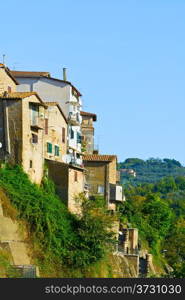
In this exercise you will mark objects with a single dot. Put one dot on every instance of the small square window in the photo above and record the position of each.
(75, 176)
(63, 135)
(100, 189)
(34, 138)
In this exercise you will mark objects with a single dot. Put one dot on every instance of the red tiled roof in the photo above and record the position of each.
(84, 113)
(21, 95)
(98, 157)
(29, 74)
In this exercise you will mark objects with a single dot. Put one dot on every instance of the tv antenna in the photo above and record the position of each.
(4, 59)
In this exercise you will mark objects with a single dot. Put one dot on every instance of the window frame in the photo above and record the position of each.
(56, 150)
(49, 148)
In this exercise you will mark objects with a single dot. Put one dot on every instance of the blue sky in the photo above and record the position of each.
(127, 57)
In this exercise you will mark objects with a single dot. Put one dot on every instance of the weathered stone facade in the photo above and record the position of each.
(55, 132)
(69, 181)
(22, 140)
(7, 82)
(102, 176)
(88, 132)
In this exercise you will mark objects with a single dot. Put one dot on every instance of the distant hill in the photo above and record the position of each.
(150, 170)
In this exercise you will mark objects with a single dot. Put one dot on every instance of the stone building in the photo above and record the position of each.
(55, 133)
(88, 131)
(69, 181)
(102, 178)
(21, 132)
(68, 178)
(69, 98)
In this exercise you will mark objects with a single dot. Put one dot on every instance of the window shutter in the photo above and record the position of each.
(34, 138)
(76, 176)
(49, 147)
(79, 138)
(72, 134)
(63, 135)
(46, 126)
(56, 150)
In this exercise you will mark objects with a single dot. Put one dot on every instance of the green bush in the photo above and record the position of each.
(62, 237)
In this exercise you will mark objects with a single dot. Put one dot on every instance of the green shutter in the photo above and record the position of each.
(72, 134)
(79, 138)
(49, 147)
(56, 150)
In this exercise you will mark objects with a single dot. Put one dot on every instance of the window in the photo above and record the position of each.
(72, 134)
(75, 176)
(34, 113)
(46, 126)
(31, 164)
(49, 148)
(34, 138)
(100, 189)
(63, 135)
(79, 138)
(9, 89)
(56, 150)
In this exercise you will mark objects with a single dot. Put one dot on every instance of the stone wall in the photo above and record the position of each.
(69, 182)
(125, 266)
(56, 122)
(95, 175)
(113, 171)
(13, 236)
(75, 187)
(32, 152)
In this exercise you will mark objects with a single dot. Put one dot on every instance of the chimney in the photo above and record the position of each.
(64, 74)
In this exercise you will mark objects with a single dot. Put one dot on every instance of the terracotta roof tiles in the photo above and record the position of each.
(84, 113)
(98, 157)
(29, 74)
(21, 95)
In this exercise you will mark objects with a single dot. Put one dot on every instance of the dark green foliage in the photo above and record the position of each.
(150, 170)
(74, 242)
(158, 210)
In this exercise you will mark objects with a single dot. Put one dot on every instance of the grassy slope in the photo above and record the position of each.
(63, 245)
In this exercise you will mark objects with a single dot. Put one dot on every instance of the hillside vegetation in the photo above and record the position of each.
(150, 170)
(63, 244)
(158, 211)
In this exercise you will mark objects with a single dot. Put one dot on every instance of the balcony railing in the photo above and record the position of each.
(74, 119)
(36, 122)
(76, 162)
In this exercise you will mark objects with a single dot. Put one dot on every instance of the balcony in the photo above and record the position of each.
(116, 193)
(36, 122)
(74, 119)
(76, 162)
